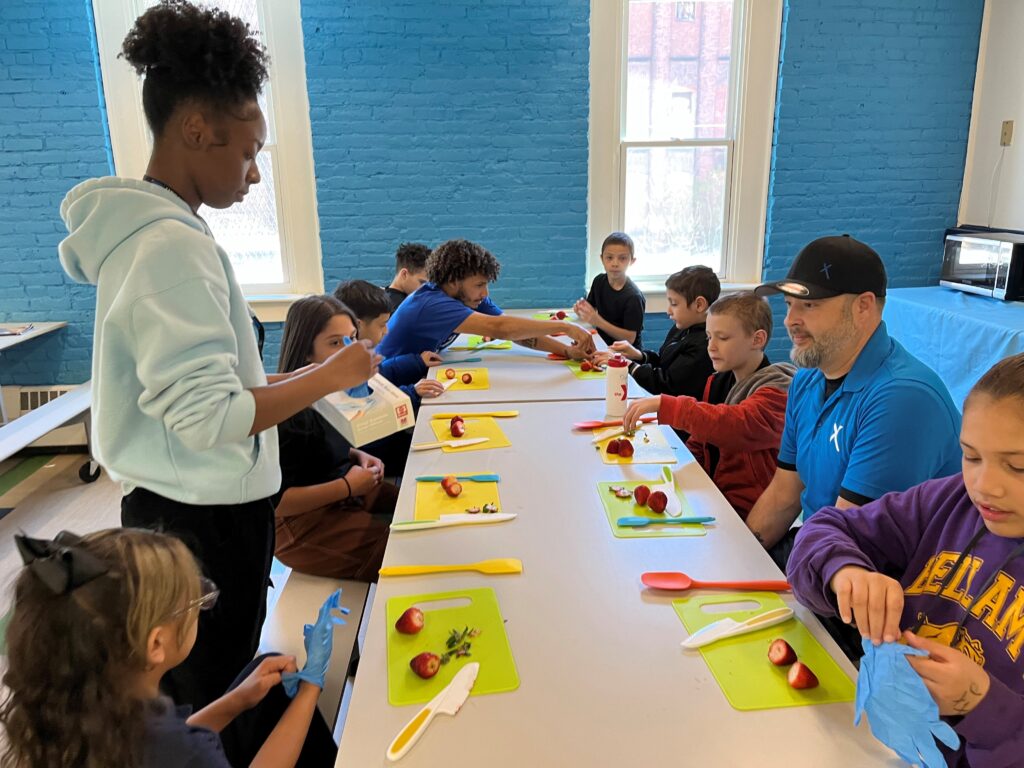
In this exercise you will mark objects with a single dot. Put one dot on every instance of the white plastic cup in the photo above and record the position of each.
(616, 386)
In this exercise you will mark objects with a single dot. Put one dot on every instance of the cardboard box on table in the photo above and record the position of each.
(361, 420)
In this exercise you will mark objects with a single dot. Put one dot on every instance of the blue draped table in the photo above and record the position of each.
(958, 334)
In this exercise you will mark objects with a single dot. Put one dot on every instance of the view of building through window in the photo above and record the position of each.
(677, 141)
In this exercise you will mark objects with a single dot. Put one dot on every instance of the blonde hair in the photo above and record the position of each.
(73, 657)
(752, 311)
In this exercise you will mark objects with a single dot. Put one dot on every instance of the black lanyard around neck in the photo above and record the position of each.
(944, 582)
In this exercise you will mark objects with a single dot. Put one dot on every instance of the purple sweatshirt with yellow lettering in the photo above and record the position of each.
(916, 537)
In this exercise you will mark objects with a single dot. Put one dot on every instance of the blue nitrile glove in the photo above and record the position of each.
(360, 390)
(319, 642)
(902, 713)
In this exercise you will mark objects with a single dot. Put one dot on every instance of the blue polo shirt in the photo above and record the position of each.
(890, 425)
(426, 322)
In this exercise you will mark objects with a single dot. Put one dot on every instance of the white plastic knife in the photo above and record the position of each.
(449, 443)
(447, 702)
(460, 519)
(719, 630)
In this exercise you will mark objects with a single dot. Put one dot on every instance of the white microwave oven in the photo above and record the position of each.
(985, 263)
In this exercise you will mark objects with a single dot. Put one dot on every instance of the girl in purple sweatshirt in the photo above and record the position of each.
(943, 563)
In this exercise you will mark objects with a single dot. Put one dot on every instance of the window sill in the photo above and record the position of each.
(655, 294)
(272, 308)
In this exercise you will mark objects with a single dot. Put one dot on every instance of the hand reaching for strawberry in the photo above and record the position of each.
(637, 409)
(627, 350)
(429, 388)
(870, 600)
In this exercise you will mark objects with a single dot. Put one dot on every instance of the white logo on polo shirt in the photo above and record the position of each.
(836, 429)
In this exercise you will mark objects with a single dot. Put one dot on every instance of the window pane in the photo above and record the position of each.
(675, 207)
(248, 230)
(677, 77)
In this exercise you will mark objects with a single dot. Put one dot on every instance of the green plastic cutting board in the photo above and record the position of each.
(614, 508)
(497, 667)
(740, 664)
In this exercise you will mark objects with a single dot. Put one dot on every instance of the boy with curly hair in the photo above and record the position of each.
(455, 301)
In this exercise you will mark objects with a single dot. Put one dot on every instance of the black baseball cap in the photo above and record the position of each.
(831, 266)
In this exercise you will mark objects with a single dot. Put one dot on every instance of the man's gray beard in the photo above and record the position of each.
(825, 346)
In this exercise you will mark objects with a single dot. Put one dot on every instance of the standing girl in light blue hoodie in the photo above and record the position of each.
(184, 416)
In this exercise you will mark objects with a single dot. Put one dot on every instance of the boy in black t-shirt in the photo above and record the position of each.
(410, 272)
(615, 306)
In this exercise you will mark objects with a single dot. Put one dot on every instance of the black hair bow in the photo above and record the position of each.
(60, 564)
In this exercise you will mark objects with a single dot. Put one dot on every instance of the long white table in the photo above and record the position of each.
(521, 374)
(603, 679)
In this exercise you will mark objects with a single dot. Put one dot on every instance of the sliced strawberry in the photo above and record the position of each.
(458, 428)
(449, 373)
(641, 493)
(657, 501)
(426, 665)
(467, 377)
(410, 622)
(454, 489)
(447, 480)
(781, 653)
(586, 366)
(613, 445)
(800, 676)
(625, 448)
(561, 315)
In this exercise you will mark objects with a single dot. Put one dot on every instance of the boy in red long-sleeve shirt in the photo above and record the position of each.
(736, 426)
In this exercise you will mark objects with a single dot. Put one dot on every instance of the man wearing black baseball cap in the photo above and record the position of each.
(864, 416)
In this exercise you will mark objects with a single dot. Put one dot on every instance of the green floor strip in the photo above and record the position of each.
(14, 476)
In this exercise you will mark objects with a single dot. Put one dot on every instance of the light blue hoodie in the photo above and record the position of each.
(174, 352)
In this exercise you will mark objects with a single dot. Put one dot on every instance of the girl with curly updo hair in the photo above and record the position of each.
(184, 415)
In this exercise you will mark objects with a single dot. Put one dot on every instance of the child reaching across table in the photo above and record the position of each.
(941, 566)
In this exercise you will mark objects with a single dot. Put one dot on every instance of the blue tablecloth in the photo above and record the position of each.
(958, 334)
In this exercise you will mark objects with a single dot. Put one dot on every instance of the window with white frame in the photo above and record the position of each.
(682, 98)
(272, 237)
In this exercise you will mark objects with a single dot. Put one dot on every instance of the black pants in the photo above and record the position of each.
(235, 546)
(251, 729)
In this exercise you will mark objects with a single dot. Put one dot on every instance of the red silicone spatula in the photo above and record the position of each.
(680, 582)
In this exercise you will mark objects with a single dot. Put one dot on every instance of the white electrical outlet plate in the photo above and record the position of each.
(1006, 134)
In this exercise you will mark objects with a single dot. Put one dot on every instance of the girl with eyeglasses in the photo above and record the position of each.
(97, 622)
(941, 568)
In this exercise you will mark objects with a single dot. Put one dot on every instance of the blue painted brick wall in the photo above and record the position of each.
(53, 133)
(872, 116)
(442, 119)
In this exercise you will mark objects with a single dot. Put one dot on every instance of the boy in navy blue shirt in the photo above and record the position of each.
(455, 301)
(864, 416)
(410, 272)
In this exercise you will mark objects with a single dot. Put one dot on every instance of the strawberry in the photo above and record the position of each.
(473, 510)
(781, 653)
(800, 676)
(449, 373)
(623, 493)
(490, 508)
(447, 480)
(560, 314)
(467, 378)
(586, 366)
(458, 428)
(613, 445)
(657, 501)
(410, 622)
(426, 665)
(454, 489)
(641, 493)
(625, 448)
